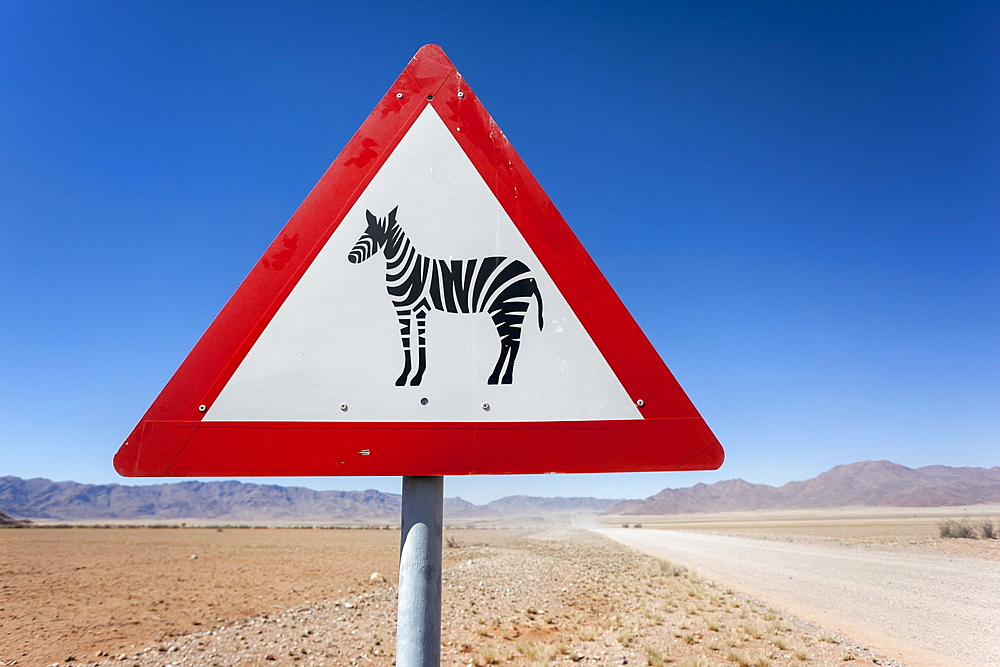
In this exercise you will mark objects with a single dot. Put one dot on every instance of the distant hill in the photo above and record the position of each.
(238, 501)
(535, 505)
(6, 521)
(869, 483)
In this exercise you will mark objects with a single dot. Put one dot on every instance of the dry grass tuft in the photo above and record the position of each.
(695, 661)
(740, 658)
(654, 656)
(528, 649)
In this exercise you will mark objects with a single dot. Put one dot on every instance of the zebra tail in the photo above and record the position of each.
(538, 297)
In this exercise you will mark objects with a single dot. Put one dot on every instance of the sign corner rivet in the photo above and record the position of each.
(424, 401)
(399, 96)
(486, 406)
(461, 94)
(343, 406)
(202, 408)
(430, 97)
(640, 402)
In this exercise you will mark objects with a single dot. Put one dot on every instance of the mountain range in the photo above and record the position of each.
(869, 483)
(239, 501)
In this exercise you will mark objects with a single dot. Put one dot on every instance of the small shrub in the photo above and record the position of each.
(672, 570)
(988, 530)
(952, 528)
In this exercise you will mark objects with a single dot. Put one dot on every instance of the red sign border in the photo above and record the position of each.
(172, 440)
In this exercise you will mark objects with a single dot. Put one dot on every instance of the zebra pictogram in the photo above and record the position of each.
(500, 286)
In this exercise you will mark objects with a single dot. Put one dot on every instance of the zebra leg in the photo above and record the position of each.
(421, 348)
(495, 375)
(512, 347)
(508, 322)
(404, 335)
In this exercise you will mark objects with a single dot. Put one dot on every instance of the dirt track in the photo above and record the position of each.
(929, 608)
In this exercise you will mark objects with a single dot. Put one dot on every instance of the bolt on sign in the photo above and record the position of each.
(426, 311)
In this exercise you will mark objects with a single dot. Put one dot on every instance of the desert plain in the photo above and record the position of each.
(548, 593)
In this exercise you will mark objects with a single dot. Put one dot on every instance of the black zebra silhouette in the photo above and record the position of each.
(500, 286)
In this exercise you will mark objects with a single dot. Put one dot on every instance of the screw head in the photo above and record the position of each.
(486, 406)
(424, 401)
(202, 408)
(343, 407)
(461, 94)
(430, 97)
(399, 96)
(640, 402)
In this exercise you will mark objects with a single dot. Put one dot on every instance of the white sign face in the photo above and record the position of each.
(335, 349)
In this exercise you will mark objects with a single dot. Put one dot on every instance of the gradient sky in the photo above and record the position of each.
(798, 202)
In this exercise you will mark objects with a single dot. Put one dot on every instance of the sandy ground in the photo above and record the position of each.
(932, 608)
(309, 597)
(74, 592)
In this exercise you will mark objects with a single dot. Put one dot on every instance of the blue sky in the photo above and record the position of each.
(798, 202)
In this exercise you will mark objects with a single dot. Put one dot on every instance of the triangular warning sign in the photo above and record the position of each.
(426, 311)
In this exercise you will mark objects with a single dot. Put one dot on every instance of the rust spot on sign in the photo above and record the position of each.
(367, 154)
(278, 258)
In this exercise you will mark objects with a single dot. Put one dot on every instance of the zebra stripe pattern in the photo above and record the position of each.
(500, 286)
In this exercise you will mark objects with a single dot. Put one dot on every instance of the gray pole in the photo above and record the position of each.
(418, 630)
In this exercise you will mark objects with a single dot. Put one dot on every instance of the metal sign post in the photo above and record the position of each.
(418, 631)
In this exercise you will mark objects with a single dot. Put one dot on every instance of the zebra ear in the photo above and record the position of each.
(371, 218)
(392, 214)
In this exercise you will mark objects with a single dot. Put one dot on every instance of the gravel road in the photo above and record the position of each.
(925, 608)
